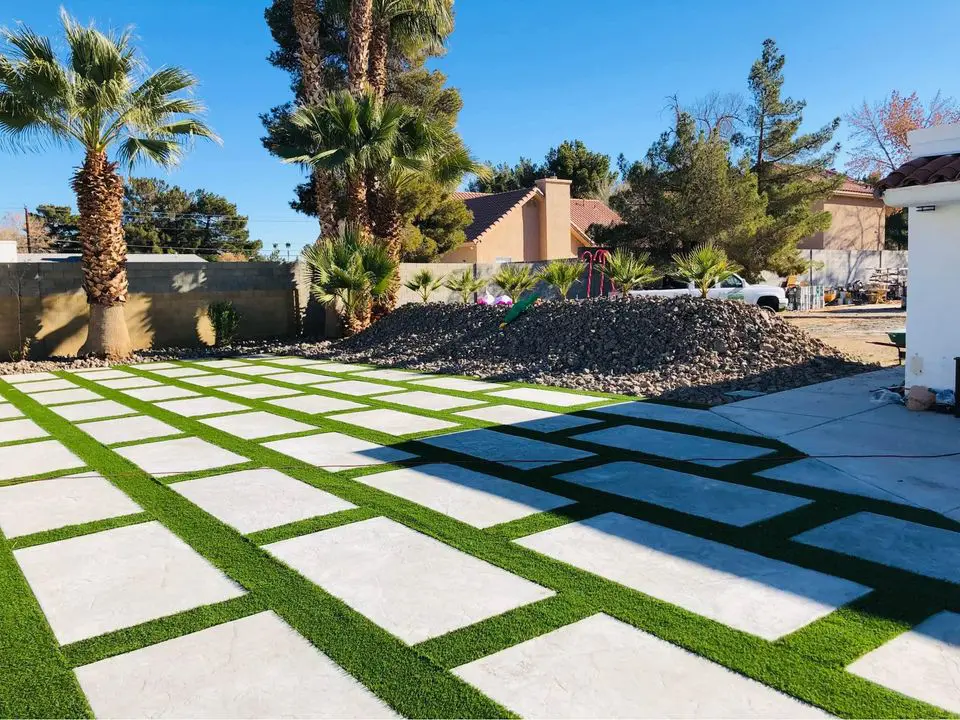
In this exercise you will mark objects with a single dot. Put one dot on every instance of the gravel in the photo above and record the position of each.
(685, 349)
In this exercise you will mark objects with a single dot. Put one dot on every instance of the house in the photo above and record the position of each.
(859, 220)
(540, 223)
(929, 185)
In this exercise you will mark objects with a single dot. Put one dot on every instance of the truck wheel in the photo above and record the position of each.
(768, 304)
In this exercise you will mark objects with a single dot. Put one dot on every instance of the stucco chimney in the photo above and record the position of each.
(554, 219)
(8, 251)
(938, 140)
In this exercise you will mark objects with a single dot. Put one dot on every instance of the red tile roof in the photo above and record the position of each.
(923, 171)
(584, 213)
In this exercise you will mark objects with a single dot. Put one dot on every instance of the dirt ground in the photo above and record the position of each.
(858, 330)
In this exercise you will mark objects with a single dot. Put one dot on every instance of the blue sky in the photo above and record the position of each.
(532, 73)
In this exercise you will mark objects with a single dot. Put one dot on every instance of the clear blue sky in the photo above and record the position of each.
(532, 73)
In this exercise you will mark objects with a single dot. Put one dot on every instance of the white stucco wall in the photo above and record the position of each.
(933, 328)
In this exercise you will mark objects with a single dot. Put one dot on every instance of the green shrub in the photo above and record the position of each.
(626, 270)
(515, 280)
(424, 284)
(225, 319)
(562, 275)
(465, 284)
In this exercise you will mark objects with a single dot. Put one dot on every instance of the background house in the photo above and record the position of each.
(859, 220)
(529, 225)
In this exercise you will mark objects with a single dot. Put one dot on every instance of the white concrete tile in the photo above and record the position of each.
(302, 378)
(461, 384)
(890, 541)
(293, 361)
(9, 411)
(672, 414)
(429, 400)
(102, 374)
(161, 392)
(676, 446)
(768, 422)
(815, 473)
(179, 372)
(411, 585)
(388, 374)
(471, 497)
(260, 356)
(258, 391)
(151, 366)
(724, 502)
(338, 367)
(253, 425)
(23, 429)
(358, 387)
(36, 458)
(41, 505)
(140, 427)
(255, 667)
(215, 381)
(315, 404)
(923, 663)
(334, 451)
(257, 370)
(600, 667)
(252, 500)
(46, 385)
(547, 397)
(518, 452)
(226, 363)
(131, 381)
(749, 592)
(173, 457)
(393, 422)
(197, 407)
(92, 410)
(59, 397)
(28, 377)
(117, 578)
(527, 418)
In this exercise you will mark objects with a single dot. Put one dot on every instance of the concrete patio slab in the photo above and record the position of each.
(815, 473)
(131, 381)
(259, 391)
(140, 427)
(672, 414)
(23, 429)
(45, 386)
(527, 418)
(460, 384)
(723, 502)
(808, 402)
(92, 410)
(676, 446)
(315, 404)
(253, 425)
(175, 457)
(226, 363)
(9, 411)
(294, 361)
(152, 366)
(28, 377)
(335, 452)
(408, 583)
(338, 367)
(393, 422)
(388, 374)
(255, 667)
(429, 400)
(600, 667)
(257, 370)
(471, 497)
(42, 505)
(923, 663)
(519, 452)
(61, 397)
(179, 372)
(358, 387)
(898, 416)
(302, 378)
(200, 406)
(767, 422)
(890, 541)
(102, 374)
(36, 458)
(547, 397)
(97, 583)
(861, 384)
(215, 381)
(162, 392)
(749, 592)
(252, 500)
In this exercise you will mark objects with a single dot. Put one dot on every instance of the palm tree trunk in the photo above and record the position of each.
(358, 212)
(358, 51)
(379, 48)
(99, 192)
(388, 224)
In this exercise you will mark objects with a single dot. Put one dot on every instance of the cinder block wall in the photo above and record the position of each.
(167, 304)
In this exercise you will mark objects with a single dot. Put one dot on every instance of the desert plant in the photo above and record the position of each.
(465, 284)
(515, 280)
(562, 275)
(350, 273)
(225, 320)
(705, 266)
(424, 284)
(627, 270)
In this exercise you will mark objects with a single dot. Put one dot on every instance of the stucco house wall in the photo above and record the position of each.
(858, 223)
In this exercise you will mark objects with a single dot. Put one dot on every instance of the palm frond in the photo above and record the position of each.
(162, 152)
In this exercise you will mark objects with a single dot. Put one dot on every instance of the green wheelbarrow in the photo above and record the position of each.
(898, 338)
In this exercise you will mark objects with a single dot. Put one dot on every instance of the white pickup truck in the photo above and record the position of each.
(766, 297)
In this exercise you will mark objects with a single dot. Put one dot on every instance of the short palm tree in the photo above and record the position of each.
(98, 99)
(627, 270)
(515, 280)
(705, 266)
(424, 284)
(562, 275)
(349, 273)
(465, 285)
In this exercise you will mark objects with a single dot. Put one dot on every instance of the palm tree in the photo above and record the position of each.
(515, 280)
(99, 100)
(359, 32)
(626, 270)
(350, 273)
(562, 275)
(705, 266)
(465, 284)
(424, 284)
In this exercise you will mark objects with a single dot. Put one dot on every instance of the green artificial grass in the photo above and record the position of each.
(808, 664)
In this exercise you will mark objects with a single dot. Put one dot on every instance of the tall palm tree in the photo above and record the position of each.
(359, 32)
(100, 100)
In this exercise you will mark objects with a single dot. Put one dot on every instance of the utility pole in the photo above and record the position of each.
(26, 226)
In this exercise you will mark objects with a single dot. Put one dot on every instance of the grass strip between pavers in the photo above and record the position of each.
(795, 664)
